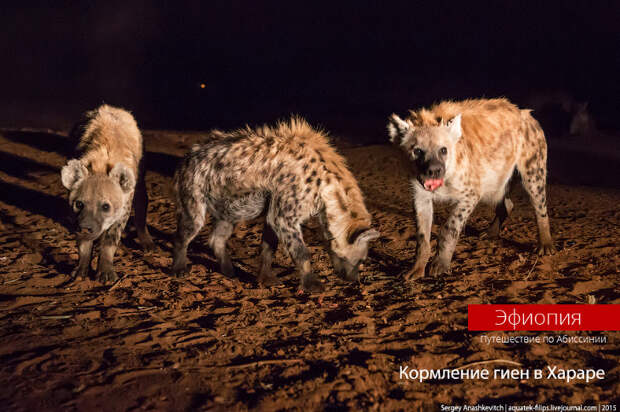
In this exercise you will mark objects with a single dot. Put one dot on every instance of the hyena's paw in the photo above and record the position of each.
(438, 267)
(268, 280)
(147, 244)
(227, 269)
(352, 277)
(493, 230)
(341, 273)
(546, 249)
(180, 269)
(415, 273)
(311, 284)
(107, 276)
(80, 272)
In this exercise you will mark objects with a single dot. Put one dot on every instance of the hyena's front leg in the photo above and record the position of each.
(301, 256)
(423, 205)
(291, 236)
(337, 262)
(449, 235)
(288, 230)
(107, 248)
(85, 248)
(269, 247)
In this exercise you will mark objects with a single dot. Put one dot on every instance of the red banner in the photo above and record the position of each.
(543, 317)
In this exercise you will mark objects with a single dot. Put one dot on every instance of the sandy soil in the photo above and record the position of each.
(208, 342)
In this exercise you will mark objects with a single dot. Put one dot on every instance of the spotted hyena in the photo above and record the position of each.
(582, 122)
(466, 152)
(289, 172)
(561, 113)
(101, 184)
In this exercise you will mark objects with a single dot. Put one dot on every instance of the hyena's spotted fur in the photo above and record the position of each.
(466, 152)
(101, 184)
(289, 171)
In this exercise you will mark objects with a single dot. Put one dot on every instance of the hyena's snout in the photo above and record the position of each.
(88, 226)
(431, 174)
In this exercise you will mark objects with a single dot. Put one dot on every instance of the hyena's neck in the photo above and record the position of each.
(344, 209)
(100, 160)
(97, 164)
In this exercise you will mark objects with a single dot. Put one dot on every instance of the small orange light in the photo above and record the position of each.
(202, 85)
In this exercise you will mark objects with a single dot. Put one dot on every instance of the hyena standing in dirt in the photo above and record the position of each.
(291, 172)
(101, 186)
(561, 113)
(466, 152)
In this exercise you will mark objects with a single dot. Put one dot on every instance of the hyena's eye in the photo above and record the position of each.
(78, 205)
(105, 207)
(443, 151)
(418, 152)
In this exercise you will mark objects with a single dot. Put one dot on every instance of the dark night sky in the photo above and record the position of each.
(345, 65)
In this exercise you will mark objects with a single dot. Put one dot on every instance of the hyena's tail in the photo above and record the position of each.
(532, 131)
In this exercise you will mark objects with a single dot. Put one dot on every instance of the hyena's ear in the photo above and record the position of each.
(124, 176)
(73, 174)
(454, 126)
(362, 234)
(397, 128)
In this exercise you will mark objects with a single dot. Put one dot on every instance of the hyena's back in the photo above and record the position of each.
(497, 137)
(205, 182)
(106, 136)
(237, 171)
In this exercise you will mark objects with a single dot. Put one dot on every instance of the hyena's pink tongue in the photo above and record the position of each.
(432, 184)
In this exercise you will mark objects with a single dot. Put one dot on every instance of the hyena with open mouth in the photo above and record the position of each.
(101, 186)
(466, 152)
(290, 172)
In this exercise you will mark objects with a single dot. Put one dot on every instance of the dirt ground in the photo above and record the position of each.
(209, 342)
